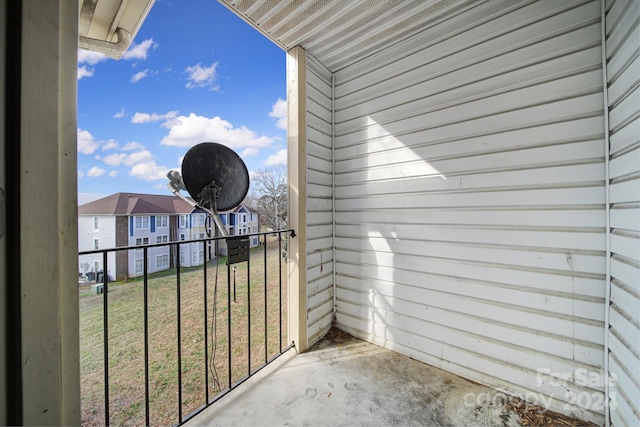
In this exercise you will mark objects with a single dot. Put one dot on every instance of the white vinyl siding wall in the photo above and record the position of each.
(470, 195)
(319, 201)
(623, 76)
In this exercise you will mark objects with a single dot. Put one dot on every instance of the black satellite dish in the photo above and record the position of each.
(215, 176)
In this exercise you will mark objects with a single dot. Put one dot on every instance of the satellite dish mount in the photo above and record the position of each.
(215, 177)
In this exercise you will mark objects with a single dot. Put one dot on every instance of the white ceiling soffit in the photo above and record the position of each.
(109, 26)
(341, 32)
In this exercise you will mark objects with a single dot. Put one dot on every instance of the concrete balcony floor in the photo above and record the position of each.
(345, 381)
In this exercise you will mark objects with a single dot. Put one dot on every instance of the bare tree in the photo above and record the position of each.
(270, 195)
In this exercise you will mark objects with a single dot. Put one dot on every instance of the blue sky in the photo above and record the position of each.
(195, 72)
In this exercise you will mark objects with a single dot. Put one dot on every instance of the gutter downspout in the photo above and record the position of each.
(111, 49)
(607, 213)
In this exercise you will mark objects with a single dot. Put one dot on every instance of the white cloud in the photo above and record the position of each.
(144, 156)
(202, 76)
(80, 174)
(95, 171)
(120, 114)
(147, 118)
(140, 51)
(280, 158)
(115, 159)
(139, 76)
(149, 171)
(251, 151)
(279, 112)
(86, 59)
(84, 71)
(110, 145)
(187, 131)
(90, 57)
(140, 160)
(133, 145)
(86, 142)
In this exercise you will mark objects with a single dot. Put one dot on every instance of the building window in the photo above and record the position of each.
(142, 222)
(183, 236)
(162, 221)
(201, 256)
(162, 239)
(96, 223)
(182, 221)
(142, 241)
(183, 258)
(194, 258)
(139, 266)
(162, 261)
(96, 243)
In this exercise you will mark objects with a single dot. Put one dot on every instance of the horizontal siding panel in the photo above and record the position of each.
(320, 218)
(568, 109)
(625, 164)
(544, 281)
(578, 218)
(626, 304)
(385, 183)
(318, 230)
(627, 191)
(623, 57)
(626, 218)
(626, 271)
(433, 145)
(629, 78)
(584, 242)
(320, 257)
(320, 292)
(467, 294)
(379, 267)
(496, 36)
(621, 29)
(625, 137)
(374, 166)
(319, 148)
(625, 357)
(625, 394)
(472, 329)
(581, 196)
(628, 109)
(319, 177)
(319, 141)
(323, 242)
(440, 109)
(455, 86)
(626, 244)
(558, 93)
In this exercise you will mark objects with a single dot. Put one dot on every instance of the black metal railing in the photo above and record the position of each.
(208, 385)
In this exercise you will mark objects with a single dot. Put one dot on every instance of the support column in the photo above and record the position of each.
(297, 178)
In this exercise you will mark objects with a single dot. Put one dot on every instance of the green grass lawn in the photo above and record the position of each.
(126, 338)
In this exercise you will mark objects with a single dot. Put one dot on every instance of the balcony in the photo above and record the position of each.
(168, 348)
(159, 348)
(346, 381)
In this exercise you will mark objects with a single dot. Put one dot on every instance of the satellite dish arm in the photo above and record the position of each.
(176, 184)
